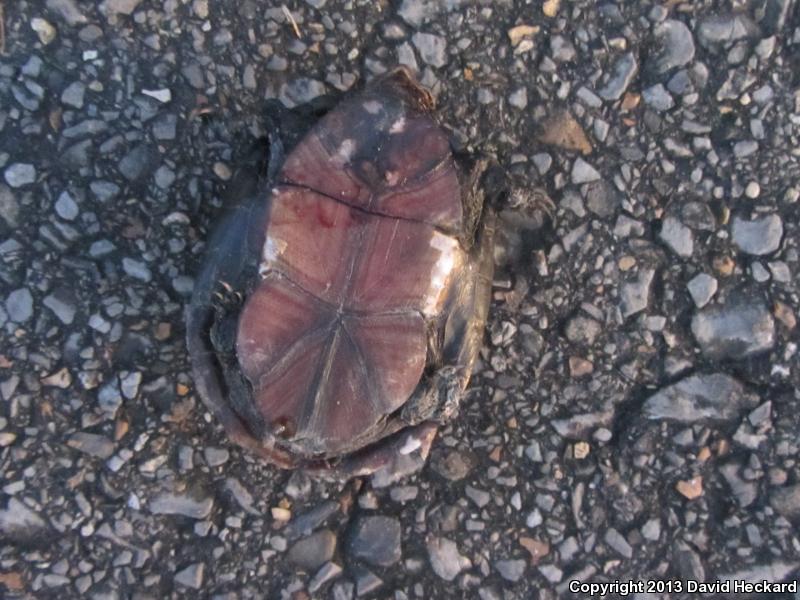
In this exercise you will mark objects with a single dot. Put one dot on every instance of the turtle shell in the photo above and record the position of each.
(358, 258)
(343, 304)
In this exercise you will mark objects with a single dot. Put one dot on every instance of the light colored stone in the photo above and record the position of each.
(740, 328)
(19, 305)
(432, 48)
(677, 236)
(191, 576)
(758, 237)
(20, 174)
(44, 30)
(713, 397)
(702, 288)
(446, 561)
(583, 172)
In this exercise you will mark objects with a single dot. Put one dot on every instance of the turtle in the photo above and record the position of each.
(342, 301)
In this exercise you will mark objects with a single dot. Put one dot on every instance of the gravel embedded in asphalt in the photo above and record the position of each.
(634, 412)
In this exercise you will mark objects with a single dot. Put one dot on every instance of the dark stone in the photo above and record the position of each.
(164, 127)
(376, 540)
(700, 398)
(601, 198)
(310, 520)
(78, 155)
(138, 163)
(314, 551)
(454, 464)
(21, 525)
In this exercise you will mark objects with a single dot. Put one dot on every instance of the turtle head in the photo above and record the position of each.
(402, 83)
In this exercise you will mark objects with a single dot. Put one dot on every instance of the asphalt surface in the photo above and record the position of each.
(634, 415)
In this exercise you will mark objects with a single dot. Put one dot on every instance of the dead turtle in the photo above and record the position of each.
(342, 302)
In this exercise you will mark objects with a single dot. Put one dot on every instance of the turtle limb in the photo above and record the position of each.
(387, 460)
(526, 227)
(485, 185)
(437, 399)
(223, 339)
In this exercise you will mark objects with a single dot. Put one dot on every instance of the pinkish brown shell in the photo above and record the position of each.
(339, 311)
(356, 259)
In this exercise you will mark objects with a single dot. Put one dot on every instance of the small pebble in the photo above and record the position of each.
(752, 190)
(44, 30)
(163, 95)
(19, 305)
(66, 208)
(20, 174)
(702, 288)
